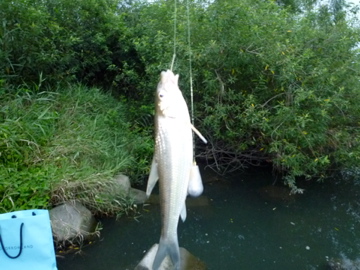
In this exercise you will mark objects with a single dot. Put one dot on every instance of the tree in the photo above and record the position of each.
(275, 81)
(270, 86)
(62, 40)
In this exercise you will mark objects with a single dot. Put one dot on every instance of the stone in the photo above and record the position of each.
(72, 220)
(188, 261)
(138, 196)
(121, 185)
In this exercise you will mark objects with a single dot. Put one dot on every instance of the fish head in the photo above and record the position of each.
(169, 99)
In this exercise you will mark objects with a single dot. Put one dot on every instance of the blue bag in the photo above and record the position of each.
(26, 241)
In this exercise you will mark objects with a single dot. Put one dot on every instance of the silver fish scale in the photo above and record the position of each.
(174, 156)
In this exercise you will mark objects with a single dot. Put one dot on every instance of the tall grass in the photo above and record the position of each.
(65, 145)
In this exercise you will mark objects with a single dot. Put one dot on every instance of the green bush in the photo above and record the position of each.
(275, 82)
(272, 86)
(65, 145)
(62, 40)
(288, 88)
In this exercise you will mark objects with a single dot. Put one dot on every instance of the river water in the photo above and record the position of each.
(243, 222)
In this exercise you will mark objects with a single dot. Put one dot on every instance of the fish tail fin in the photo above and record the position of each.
(167, 247)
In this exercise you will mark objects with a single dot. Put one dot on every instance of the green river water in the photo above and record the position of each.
(243, 222)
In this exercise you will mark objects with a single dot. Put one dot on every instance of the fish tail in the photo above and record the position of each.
(167, 247)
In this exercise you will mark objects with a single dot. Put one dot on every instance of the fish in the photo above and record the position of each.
(172, 164)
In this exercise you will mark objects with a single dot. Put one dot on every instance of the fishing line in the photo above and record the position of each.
(191, 82)
(190, 61)
(189, 52)
(174, 49)
(190, 65)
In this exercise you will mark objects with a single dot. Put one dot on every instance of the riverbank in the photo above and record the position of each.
(67, 144)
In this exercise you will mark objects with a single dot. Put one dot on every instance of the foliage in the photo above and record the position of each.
(271, 86)
(276, 82)
(64, 145)
(65, 40)
(296, 108)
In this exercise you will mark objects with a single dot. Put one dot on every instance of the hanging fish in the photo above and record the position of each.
(172, 164)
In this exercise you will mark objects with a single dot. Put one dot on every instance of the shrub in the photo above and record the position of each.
(66, 144)
(271, 86)
(62, 40)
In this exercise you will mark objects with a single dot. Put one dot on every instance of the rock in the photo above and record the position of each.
(153, 199)
(121, 185)
(72, 220)
(138, 196)
(188, 261)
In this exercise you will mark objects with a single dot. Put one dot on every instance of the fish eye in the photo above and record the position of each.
(161, 94)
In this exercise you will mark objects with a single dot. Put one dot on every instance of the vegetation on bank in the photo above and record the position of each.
(276, 82)
(66, 144)
(273, 84)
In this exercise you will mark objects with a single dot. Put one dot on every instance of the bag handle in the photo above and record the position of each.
(21, 243)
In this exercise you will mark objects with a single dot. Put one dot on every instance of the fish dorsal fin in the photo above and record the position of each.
(153, 177)
(183, 213)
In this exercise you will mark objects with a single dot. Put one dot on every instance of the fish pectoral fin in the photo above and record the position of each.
(183, 213)
(195, 187)
(198, 133)
(153, 177)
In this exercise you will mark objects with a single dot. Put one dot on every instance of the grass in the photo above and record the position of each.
(64, 145)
